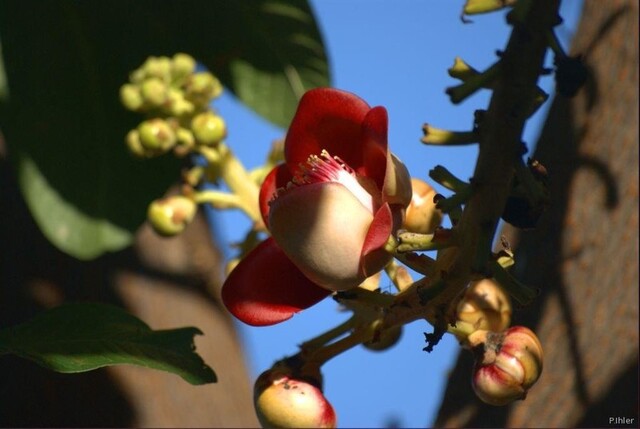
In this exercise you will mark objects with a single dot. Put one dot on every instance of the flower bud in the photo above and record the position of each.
(170, 216)
(137, 76)
(156, 135)
(182, 65)
(422, 216)
(385, 340)
(507, 364)
(284, 401)
(185, 137)
(208, 128)
(202, 88)
(157, 67)
(176, 104)
(130, 96)
(133, 143)
(485, 306)
(154, 92)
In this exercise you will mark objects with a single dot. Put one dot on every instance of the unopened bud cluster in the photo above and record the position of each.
(175, 97)
(508, 360)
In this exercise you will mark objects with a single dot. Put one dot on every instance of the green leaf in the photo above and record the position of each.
(65, 61)
(279, 57)
(82, 337)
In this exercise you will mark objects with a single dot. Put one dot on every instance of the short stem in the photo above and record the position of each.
(520, 292)
(417, 262)
(211, 154)
(219, 200)
(456, 200)
(364, 296)
(444, 177)
(412, 241)
(473, 7)
(322, 355)
(399, 275)
(459, 93)
(194, 175)
(237, 178)
(461, 70)
(438, 136)
(328, 336)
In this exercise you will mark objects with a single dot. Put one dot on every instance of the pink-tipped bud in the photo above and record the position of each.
(485, 306)
(508, 364)
(283, 401)
(422, 215)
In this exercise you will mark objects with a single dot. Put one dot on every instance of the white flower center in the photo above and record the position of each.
(326, 168)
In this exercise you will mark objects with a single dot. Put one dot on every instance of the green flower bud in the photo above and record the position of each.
(177, 105)
(154, 92)
(133, 143)
(170, 216)
(201, 88)
(208, 128)
(159, 67)
(156, 135)
(130, 96)
(182, 65)
(185, 137)
(137, 76)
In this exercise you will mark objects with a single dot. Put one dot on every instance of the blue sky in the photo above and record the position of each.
(393, 53)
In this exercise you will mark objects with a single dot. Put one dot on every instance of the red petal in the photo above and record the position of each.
(373, 257)
(277, 178)
(374, 129)
(327, 119)
(266, 288)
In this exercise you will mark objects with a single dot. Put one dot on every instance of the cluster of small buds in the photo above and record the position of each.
(176, 99)
(508, 360)
(285, 400)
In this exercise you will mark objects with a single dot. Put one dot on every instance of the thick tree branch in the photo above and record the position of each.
(500, 146)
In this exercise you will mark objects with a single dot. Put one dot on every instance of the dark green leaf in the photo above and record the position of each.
(65, 61)
(81, 337)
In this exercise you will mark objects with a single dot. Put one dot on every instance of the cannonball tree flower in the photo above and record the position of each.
(330, 209)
